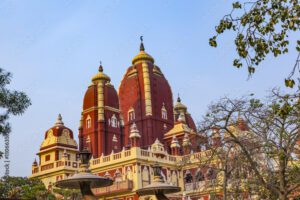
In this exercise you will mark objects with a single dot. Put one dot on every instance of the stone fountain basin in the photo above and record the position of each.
(156, 188)
(74, 181)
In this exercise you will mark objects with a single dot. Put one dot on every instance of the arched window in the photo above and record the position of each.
(88, 122)
(118, 176)
(114, 121)
(129, 173)
(188, 177)
(145, 176)
(131, 114)
(164, 113)
(174, 178)
(199, 176)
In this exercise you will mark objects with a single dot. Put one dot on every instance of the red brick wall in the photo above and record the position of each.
(131, 93)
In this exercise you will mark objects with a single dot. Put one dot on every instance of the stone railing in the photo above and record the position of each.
(132, 153)
(60, 164)
(122, 186)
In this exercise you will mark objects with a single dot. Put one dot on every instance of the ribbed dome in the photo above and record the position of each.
(59, 134)
(179, 105)
(58, 128)
(142, 56)
(100, 75)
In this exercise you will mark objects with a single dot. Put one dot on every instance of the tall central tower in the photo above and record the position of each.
(146, 99)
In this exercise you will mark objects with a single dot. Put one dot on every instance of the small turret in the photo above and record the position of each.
(34, 164)
(134, 136)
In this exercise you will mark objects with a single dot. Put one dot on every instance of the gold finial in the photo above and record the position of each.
(100, 67)
(142, 48)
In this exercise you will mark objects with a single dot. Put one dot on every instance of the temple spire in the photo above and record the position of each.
(59, 120)
(100, 67)
(142, 48)
(178, 98)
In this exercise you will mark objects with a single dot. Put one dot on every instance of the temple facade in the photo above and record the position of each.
(128, 131)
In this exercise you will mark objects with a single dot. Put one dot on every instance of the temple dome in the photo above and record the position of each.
(142, 56)
(59, 134)
(179, 105)
(145, 95)
(100, 75)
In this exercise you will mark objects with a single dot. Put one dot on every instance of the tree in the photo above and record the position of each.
(227, 160)
(267, 138)
(262, 27)
(20, 187)
(11, 103)
(68, 194)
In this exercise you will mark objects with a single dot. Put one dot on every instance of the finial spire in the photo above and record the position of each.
(178, 98)
(59, 120)
(100, 67)
(142, 48)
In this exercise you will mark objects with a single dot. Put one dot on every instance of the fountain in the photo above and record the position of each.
(158, 187)
(84, 179)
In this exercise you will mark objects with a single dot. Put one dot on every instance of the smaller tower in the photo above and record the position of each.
(181, 114)
(34, 167)
(175, 147)
(134, 136)
(57, 155)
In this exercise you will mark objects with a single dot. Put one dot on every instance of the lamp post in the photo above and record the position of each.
(84, 179)
(158, 187)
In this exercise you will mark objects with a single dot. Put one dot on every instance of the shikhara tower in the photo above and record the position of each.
(144, 98)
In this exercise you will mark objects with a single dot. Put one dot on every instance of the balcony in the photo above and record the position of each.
(57, 165)
(117, 187)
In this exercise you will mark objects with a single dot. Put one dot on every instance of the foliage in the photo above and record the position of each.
(11, 103)
(68, 193)
(269, 141)
(24, 188)
(262, 27)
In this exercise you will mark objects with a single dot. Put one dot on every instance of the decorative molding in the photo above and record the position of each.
(147, 88)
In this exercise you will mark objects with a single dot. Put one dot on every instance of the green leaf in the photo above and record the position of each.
(212, 42)
(237, 5)
(289, 83)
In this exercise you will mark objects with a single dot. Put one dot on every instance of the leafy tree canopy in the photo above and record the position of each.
(262, 27)
(267, 135)
(23, 188)
(11, 103)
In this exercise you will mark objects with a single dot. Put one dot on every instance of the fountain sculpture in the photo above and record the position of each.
(84, 179)
(158, 187)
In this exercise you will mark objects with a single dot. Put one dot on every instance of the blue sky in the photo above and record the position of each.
(53, 48)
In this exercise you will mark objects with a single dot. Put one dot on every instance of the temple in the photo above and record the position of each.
(127, 132)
